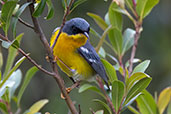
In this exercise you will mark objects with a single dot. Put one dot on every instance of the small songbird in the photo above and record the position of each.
(73, 52)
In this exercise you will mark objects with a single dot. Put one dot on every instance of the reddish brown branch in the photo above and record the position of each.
(138, 27)
(63, 21)
(107, 97)
(57, 77)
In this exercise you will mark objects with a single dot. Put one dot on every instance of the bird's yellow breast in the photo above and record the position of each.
(68, 59)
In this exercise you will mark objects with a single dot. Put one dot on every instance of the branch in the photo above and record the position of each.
(25, 23)
(28, 57)
(138, 27)
(56, 76)
(107, 97)
(67, 12)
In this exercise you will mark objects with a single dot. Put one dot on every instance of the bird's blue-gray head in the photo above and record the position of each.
(76, 26)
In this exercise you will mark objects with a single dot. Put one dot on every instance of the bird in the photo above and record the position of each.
(73, 52)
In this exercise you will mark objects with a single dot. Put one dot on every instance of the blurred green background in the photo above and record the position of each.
(154, 45)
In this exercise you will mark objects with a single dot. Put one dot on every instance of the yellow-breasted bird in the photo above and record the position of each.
(74, 53)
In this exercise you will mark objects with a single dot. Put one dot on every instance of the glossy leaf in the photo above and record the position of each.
(133, 79)
(104, 104)
(146, 103)
(16, 16)
(50, 9)
(133, 110)
(18, 63)
(102, 52)
(144, 7)
(164, 99)
(39, 8)
(169, 108)
(77, 3)
(115, 37)
(137, 88)
(128, 40)
(16, 78)
(12, 52)
(115, 17)
(107, 18)
(117, 94)
(135, 60)
(110, 70)
(92, 31)
(86, 87)
(37, 106)
(6, 44)
(16, 42)
(141, 67)
(102, 24)
(1, 60)
(7, 10)
(30, 73)
(99, 112)
(3, 108)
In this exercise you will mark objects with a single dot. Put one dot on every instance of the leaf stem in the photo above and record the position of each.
(107, 97)
(103, 38)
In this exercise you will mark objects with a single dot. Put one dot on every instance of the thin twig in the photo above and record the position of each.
(57, 77)
(28, 57)
(7, 105)
(107, 97)
(138, 27)
(63, 22)
(25, 23)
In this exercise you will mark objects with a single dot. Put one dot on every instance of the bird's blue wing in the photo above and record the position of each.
(89, 54)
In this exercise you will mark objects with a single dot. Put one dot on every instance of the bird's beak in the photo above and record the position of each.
(86, 34)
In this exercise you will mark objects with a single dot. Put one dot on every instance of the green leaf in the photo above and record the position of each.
(135, 60)
(110, 70)
(18, 63)
(128, 40)
(115, 37)
(6, 44)
(141, 67)
(169, 108)
(99, 112)
(102, 24)
(133, 79)
(50, 9)
(30, 73)
(16, 78)
(16, 16)
(12, 52)
(164, 99)
(92, 31)
(77, 3)
(117, 94)
(146, 103)
(107, 18)
(115, 17)
(133, 110)
(39, 9)
(16, 42)
(3, 108)
(102, 52)
(104, 104)
(137, 88)
(1, 61)
(7, 10)
(144, 7)
(86, 87)
(37, 106)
